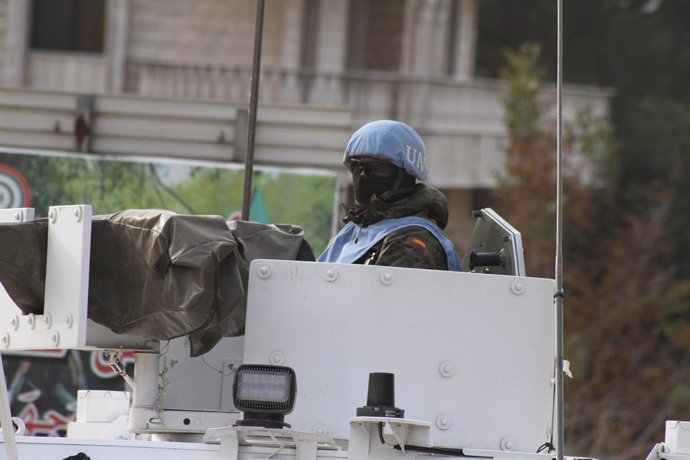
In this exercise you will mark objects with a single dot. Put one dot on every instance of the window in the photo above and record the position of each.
(68, 25)
(375, 31)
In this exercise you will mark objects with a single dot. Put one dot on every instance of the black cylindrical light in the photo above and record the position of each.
(381, 389)
(381, 397)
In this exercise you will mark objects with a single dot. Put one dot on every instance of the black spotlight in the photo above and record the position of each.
(381, 397)
(265, 394)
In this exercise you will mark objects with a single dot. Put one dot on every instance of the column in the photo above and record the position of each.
(425, 35)
(292, 33)
(16, 41)
(117, 31)
(466, 39)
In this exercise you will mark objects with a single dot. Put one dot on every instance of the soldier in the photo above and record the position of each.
(396, 221)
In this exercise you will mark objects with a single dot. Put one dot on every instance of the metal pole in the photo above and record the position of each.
(6, 417)
(253, 103)
(558, 296)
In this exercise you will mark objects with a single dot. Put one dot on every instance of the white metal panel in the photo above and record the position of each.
(48, 448)
(63, 323)
(472, 353)
(214, 372)
(16, 215)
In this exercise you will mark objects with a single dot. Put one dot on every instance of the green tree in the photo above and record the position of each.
(625, 310)
(642, 49)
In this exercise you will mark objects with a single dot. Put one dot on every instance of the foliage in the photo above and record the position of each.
(306, 200)
(626, 312)
(642, 49)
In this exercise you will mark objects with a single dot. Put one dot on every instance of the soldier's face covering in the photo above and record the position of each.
(371, 177)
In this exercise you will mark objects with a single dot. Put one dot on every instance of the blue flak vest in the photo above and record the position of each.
(354, 241)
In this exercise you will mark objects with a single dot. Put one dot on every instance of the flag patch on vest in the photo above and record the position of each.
(417, 242)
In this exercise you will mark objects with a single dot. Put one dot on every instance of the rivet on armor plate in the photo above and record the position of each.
(386, 278)
(264, 271)
(444, 422)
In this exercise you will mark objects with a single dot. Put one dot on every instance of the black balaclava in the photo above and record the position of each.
(387, 177)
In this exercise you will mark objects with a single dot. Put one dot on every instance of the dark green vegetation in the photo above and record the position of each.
(109, 186)
(641, 48)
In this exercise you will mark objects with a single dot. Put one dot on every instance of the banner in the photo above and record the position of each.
(280, 195)
(43, 384)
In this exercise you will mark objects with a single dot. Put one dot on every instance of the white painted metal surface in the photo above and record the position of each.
(678, 436)
(16, 215)
(676, 445)
(365, 441)
(64, 323)
(472, 354)
(67, 276)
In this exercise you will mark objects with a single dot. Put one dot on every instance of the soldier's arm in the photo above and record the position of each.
(412, 247)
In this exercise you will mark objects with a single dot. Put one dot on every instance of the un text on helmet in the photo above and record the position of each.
(415, 157)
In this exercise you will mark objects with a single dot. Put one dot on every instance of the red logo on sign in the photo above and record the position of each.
(14, 189)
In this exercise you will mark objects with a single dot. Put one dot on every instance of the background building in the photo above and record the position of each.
(349, 61)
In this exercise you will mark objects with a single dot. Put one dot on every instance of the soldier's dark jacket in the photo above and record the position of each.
(412, 247)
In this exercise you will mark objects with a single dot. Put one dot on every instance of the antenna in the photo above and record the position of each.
(253, 103)
(558, 295)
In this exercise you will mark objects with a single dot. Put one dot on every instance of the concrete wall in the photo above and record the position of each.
(3, 32)
(204, 30)
(126, 125)
(332, 35)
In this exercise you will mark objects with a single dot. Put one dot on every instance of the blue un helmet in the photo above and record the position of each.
(392, 141)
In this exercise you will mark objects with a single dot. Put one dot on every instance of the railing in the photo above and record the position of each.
(460, 104)
(66, 72)
(132, 125)
(194, 110)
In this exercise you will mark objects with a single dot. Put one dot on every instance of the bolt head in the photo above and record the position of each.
(446, 369)
(386, 278)
(264, 271)
(443, 422)
(277, 358)
(507, 443)
(517, 287)
(331, 275)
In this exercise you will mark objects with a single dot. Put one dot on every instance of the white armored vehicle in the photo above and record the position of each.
(388, 362)
(336, 361)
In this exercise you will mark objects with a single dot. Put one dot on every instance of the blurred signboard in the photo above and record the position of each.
(43, 384)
